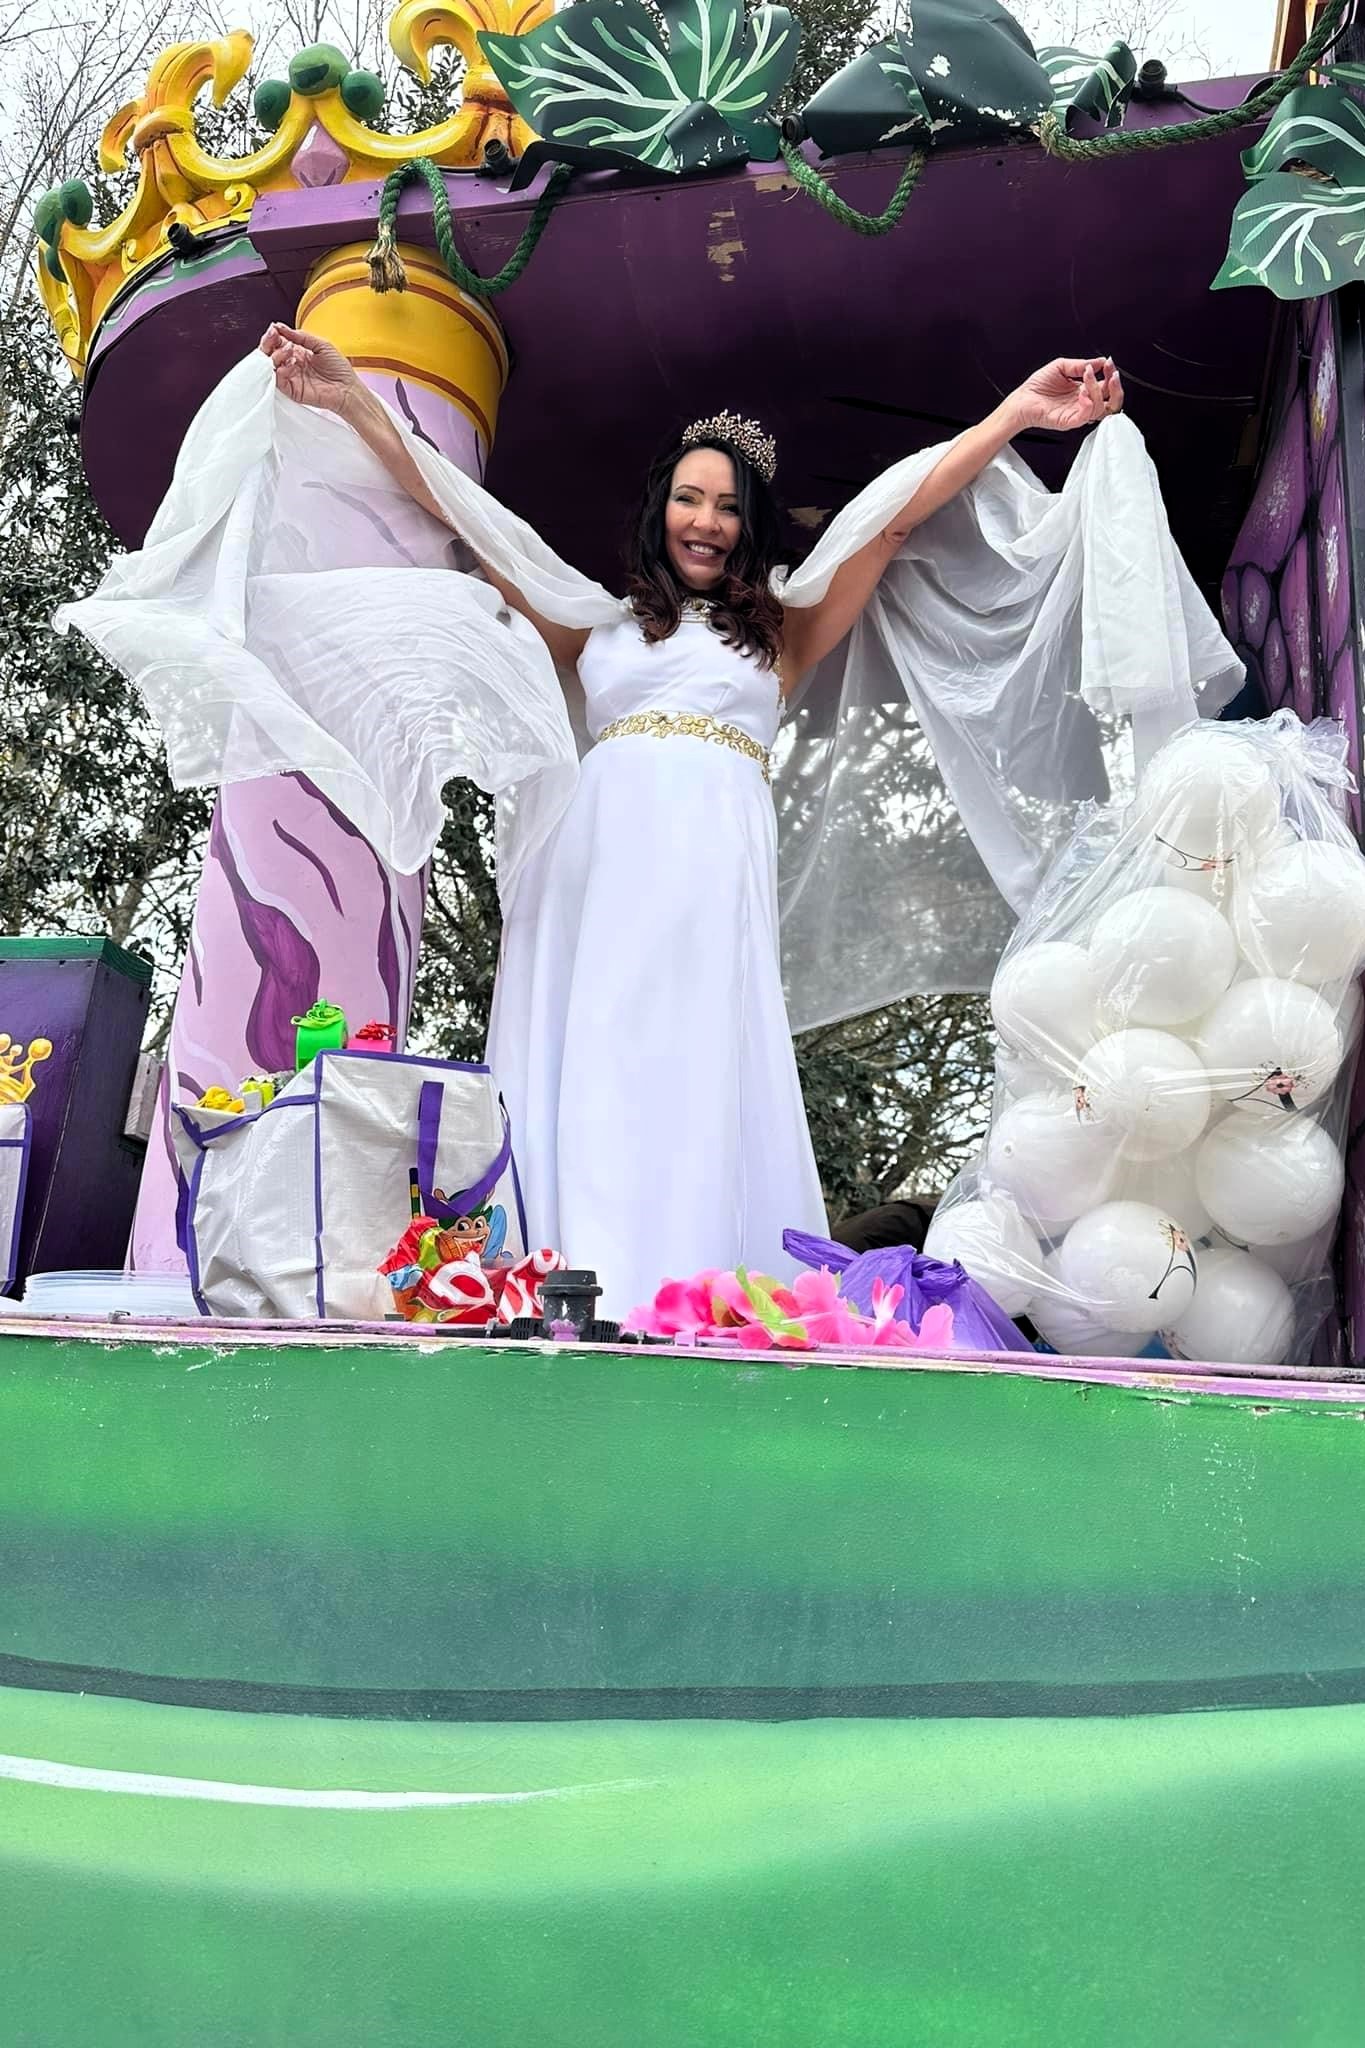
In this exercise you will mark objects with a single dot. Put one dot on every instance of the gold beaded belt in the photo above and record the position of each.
(691, 725)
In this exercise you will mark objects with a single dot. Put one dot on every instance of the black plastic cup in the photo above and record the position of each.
(571, 1298)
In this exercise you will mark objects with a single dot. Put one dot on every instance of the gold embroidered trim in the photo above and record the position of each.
(691, 725)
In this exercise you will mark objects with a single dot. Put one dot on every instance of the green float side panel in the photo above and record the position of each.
(441, 1518)
(1173, 1882)
(432, 1695)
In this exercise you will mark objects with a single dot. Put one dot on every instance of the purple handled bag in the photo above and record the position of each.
(978, 1325)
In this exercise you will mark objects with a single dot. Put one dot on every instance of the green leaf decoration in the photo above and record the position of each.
(873, 103)
(762, 141)
(1097, 86)
(976, 69)
(537, 154)
(702, 140)
(1296, 236)
(1300, 228)
(738, 67)
(1318, 125)
(959, 71)
(597, 76)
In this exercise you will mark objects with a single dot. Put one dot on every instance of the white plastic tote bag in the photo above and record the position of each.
(288, 1210)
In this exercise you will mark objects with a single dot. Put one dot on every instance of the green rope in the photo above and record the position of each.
(386, 265)
(820, 189)
(1051, 129)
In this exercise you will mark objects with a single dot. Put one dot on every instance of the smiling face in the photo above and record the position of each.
(701, 521)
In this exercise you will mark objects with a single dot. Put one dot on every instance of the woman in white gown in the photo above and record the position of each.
(639, 1030)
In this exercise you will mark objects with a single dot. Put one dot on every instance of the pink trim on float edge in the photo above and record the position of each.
(1176, 1378)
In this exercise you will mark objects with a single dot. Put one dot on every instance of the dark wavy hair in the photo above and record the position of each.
(744, 611)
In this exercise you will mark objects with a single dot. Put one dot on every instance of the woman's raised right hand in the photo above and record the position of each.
(307, 368)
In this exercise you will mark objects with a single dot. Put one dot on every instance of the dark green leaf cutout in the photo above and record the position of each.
(873, 103)
(959, 71)
(1299, 237)
(1318, 125)
(598, 77)
(1096, 86)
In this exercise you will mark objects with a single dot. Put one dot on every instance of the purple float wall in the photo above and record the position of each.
(1290, 605)
(90, 1000)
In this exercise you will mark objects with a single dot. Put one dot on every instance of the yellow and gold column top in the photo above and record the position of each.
(82, 265)
(432, 334)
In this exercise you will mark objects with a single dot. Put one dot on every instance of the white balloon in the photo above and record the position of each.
(1208, 797)
(1299, 913)
(1017, 1076)
(1214, 880)
(1270, 1180)
(1211, 884)
(1169, 1185)
(1270, 1042)
(1344, 1000)
(1148, 1088)
(1308, 1259)
(1160, 957)
(1242, 1313)
(989, 1239)
(1130, 1265)
(1043, 1003)
(1052, 1162)
(1069, 1327)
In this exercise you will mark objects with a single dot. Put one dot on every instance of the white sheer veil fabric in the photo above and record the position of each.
(291, 611)
(1024, 654)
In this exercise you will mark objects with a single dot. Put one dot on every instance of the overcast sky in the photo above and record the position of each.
(1239, 30)
(1236, 35)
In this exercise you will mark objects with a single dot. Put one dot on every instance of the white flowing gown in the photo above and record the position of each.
(639, 1030)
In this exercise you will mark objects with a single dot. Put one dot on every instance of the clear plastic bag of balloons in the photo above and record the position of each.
(1178, 1019)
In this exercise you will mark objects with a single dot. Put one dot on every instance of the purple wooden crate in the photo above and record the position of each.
(90, 999)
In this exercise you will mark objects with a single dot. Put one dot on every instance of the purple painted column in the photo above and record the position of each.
(293, 902)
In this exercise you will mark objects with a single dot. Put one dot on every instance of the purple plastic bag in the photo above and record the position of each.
(978, 1325)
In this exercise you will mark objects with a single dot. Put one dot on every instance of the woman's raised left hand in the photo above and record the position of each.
(1070, 393)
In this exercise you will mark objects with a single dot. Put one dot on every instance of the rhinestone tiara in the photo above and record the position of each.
(746, 437)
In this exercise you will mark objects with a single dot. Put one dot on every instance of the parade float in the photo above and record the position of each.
(373, 1683)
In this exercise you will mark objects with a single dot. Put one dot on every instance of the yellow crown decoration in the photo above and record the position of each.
(16, 1066)
(81, 266)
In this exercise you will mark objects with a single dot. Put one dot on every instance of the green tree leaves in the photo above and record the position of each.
(95, 837)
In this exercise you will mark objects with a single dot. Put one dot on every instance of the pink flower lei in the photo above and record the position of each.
(753, 1313)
